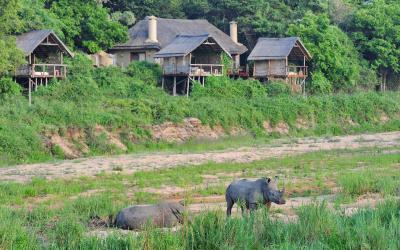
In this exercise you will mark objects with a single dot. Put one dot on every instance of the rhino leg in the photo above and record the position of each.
(253, 207)
(229, 205)
(242, 208)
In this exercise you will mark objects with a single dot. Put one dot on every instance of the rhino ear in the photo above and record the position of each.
(268, 180)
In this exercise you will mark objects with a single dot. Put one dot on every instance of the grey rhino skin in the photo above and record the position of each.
(159, 215)
(252, 193)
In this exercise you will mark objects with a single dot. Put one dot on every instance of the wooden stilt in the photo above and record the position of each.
(36, 83)
(187, 87)
(46, 80)
(174, 88)
(162, 82)
(30, 91)
(203, 80)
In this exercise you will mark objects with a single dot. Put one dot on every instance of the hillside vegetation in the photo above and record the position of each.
(127, 101)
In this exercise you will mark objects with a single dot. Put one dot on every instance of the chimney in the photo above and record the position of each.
(233, 31)
(152, 29)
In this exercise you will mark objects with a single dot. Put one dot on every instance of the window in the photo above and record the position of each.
(135, 56)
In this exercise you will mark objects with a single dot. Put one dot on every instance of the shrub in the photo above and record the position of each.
(319, 84)
(149, 73)
(278, 88)
(8, 88)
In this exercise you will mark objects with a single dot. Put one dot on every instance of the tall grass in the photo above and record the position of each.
(317, 227)
(362, 182)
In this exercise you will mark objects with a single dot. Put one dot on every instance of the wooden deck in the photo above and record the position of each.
(43, 71)
(195, 70)
(288, 72)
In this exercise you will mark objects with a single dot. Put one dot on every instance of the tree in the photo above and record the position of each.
(10, 56)
(35, 16)
(375, 28)
(126, 18)
(87, 25)
(9, 19)
(142, 8)
(334, 54)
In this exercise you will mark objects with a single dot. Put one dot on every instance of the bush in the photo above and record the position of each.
(319, 84)
(8, 88)
(224, 87)
(149, 73)
(278, 88)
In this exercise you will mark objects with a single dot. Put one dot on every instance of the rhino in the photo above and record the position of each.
(159, 215)
(252, 193)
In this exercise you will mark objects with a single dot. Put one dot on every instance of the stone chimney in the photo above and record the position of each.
(234, 31)
(152, 29)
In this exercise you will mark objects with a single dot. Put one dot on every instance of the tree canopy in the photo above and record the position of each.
(334, 54)
(375, 29)
(10, 56)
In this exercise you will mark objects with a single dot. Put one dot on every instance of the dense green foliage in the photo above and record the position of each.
(375, 29)
(125, 99)
(10, 56)
(82, 25)
(87, 25)
(334, 53)
(352, 42)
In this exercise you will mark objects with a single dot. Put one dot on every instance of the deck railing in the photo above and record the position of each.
(297, 71)
(48, 70)
(206, 69)
(194, 69)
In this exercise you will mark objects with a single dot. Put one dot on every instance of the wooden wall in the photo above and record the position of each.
(270, 67)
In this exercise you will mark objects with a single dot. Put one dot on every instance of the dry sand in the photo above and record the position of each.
(127, 164)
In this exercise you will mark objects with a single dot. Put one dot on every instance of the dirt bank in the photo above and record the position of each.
(127, 164)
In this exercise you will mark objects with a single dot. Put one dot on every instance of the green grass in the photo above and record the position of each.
(56, 214)
(348, 169)
(317, 227)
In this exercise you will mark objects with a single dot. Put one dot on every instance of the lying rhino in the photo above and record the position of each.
(159, 215)
(251, 193)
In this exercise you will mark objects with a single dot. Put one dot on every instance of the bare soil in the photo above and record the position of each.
(127, 164)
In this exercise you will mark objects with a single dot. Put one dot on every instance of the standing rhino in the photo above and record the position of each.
(251, 193)
(159, 215)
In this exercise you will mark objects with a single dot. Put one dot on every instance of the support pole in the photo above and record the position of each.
(36, 83)
(187, 87)
(174, 88)
(162, 82)
(30, 91)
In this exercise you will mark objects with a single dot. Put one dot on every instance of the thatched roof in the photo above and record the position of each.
(182, 45)
(169, 29)
(29, 41)
(276, 48)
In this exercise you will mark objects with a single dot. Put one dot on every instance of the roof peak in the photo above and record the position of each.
(190, 35)
(176, 19)
(279, 38)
